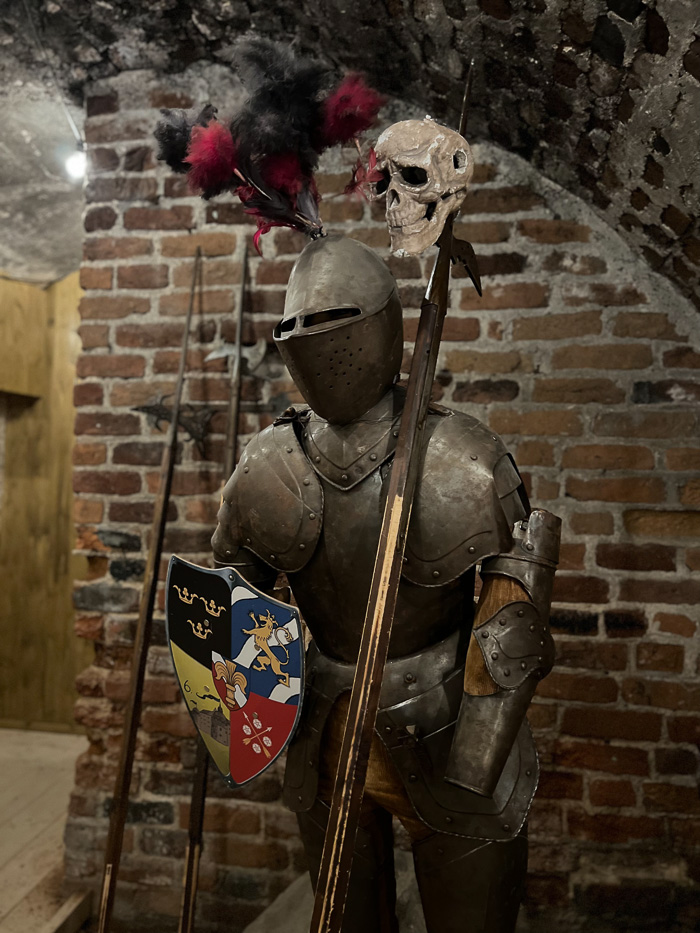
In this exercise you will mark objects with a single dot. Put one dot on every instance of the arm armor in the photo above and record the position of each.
(510, 650)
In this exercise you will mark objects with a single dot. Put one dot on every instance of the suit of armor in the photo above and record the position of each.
(452, 757)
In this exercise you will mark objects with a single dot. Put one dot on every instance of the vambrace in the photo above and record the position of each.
(510, 651)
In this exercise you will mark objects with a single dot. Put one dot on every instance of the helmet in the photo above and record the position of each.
(341, 335)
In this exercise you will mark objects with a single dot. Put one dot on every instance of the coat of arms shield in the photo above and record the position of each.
(239, 659)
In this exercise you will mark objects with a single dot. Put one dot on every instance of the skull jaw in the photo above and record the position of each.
(411, 239)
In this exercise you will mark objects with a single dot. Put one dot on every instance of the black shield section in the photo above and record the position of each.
(198, 610)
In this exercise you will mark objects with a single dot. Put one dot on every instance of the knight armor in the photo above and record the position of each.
(453, 756)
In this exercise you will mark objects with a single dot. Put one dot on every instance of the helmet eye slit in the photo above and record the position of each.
(331, 316)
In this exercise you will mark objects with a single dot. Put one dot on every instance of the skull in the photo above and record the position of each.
(425, 169)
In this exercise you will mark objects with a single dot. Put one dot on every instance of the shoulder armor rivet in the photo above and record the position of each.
(405, 560)
(372, 456)
(317, 459)
(344, 477)
(523, 665)
(300, 798)
(412, 777)
(473, 457)
(448, 819)
(506, 826)
(539, 660)
(272, 556)
(528, 773)
(502, 621)
(484, 634)
(532, 628)
(312, 515)
(521, 613)
(471, 549)
(246, 469)
(506, 671)
(409, 677)
(529, 547)
(493, 437)
(395, 433)
(436, 573)
(387, 729)
(289, 450)
(228, 553)
(494, 656)
(307, 481)
(302, 547)
(230, 576)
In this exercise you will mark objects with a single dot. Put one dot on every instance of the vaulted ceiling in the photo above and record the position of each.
(603, 96)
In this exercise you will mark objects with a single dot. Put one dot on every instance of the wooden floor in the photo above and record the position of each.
(36, 777)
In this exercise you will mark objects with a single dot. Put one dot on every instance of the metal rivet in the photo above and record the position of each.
(542, 643)
(494, 656)
(529, 547)
(528, 773)
(409, 677)
(412, 777)
(471, 549)
(344, 477)
(307, 481)
(473, 457)
(506, 826)
(540, 660)
(396, 433)
(448, 819)
(272, 556)
(532, 628)
(484, 634)
(387, 729)
(502, 621)
(317, 459)
(228, 553)
(436, 573)
(523, 665)
(289, 450)
(302, 547)
(506, 672)
(246, 469)
(372, 456)
(312, 515)
(230, 576)
(405, 560)
(311, 764)
(521, 613)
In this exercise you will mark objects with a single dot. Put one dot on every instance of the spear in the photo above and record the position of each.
(336, 861)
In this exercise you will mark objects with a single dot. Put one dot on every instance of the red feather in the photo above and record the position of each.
(350, 110)
(282, 171)
(212, 157)
(362, 175)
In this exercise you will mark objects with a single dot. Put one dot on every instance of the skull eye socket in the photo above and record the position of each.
(414, 175)
(382, 184)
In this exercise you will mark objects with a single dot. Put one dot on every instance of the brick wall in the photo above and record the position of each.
(577, 354)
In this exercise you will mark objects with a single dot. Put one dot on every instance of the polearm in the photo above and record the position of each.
(336, 862)
(142, 638)
(201, 768)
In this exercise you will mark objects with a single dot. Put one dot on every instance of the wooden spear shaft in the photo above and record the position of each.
(201, 767)
(336, 861)
(143, 636)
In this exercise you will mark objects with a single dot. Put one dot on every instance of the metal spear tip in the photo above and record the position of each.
(253, 356)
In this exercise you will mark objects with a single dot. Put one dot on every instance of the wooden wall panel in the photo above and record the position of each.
(40, 655)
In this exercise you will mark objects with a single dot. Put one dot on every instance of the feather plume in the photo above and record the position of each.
(173, 134)
(212, 159)
(350, 110)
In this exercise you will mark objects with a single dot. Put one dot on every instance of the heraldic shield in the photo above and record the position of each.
(239, 659)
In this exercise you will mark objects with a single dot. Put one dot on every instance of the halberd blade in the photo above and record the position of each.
(463, 252)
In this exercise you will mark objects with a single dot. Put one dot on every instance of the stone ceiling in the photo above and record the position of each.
(603, 96)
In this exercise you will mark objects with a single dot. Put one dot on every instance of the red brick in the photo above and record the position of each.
(474, 361)
(666, 424)
(89, 454)
(692, 558)
(634, 725)
(99, 104)
(177, 186)
(690, 493)
(171, 721)
(655, 326)
(93, 336)
(494, 264)
(211, 244)
(671, 798)
(107, 307)
(106, 423)
(579, 687)
(214, 272)
(483, 391)
(241, 818)
(99, 218)
(226, 849)
(546, 889)
(579, 589)
(592, 654)
(655, 657)
(540, 422)
(666, 694)
(612, 794)
(683, 458)
(642, 557)
(96, 277)
(675, 761)
(603, 356)
(158, 218)
(134, 276)
(374, 237)
(676, 592)
(124, 366)
(273, 272)
(559, 785)
(557, 326)
(130, 394)
(497, 297)
(610, 758)
(571, 556)
(121, 188)
(608, 295)
(486, 231)
(202, 511)
(611, 828)
(140, 513)
(149, 335)
(591, 523)
(87, 393)
(676, 624)
(574, 263)
(234, 213)
(535, 453)
(222, 301)
(88, 511)
(577, 391)
(541, 715)
(504, 200)
(685, 729)
(106, 482)
(188, 482)
(341, 209)
(608, 457)
(682, 358)
(554, 231)
(138, 453)
(116, 247)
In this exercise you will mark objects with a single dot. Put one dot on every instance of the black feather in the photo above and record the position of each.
(173, 134)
